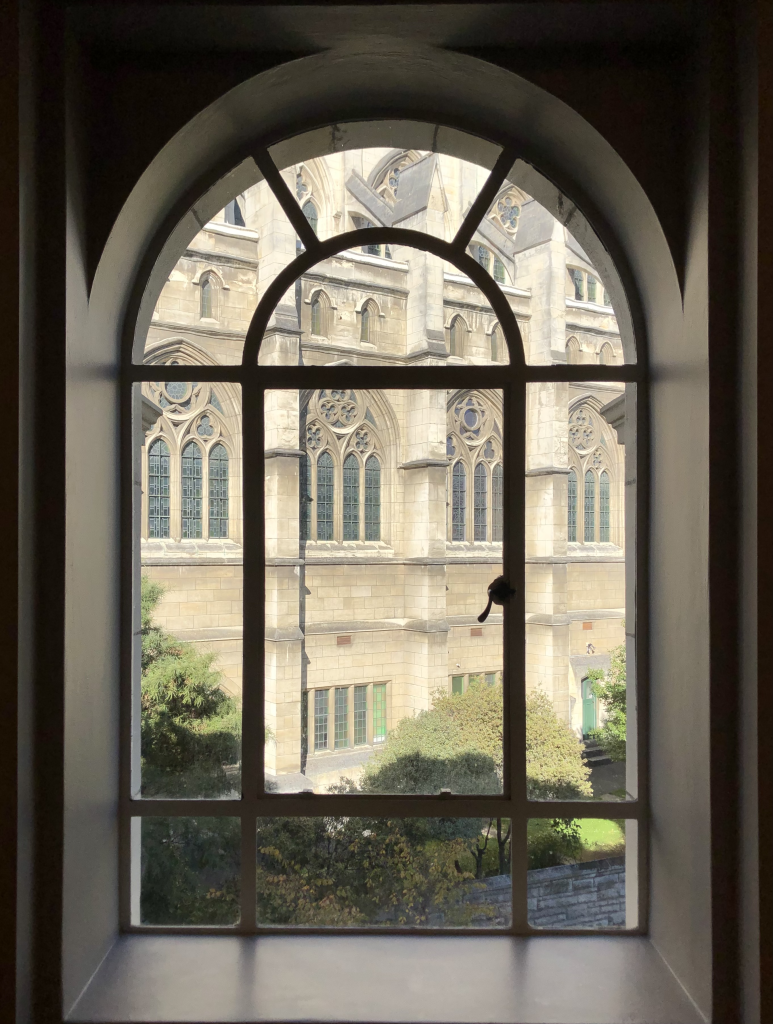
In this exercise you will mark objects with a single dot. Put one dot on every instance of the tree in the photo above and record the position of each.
(611, 691)
(190, 735)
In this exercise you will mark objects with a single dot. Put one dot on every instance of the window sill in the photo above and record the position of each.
(562, 980)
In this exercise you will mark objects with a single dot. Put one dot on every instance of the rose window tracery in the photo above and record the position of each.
(472, 419)
(339, 409)
(582, 429)
(205, 428)
(508, 211)
(362, 440)
(597, 459)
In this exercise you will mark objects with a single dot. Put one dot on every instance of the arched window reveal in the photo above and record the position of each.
(495, 345)
(457, 336)
(372, 499)
(233, 214)
(365, 324)
(497, 502)
(304, 493)
(606, 356)
(191, 492)
(571, 522)
(218, 492)
(459, 503)
(351, 498)
(207, 288)
(325, 497)
(158, 490)
(317, 317)
(480, 499)
(590, 508)
(499, 271)
(604, 508)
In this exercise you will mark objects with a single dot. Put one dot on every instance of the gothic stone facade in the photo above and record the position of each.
(383, 508)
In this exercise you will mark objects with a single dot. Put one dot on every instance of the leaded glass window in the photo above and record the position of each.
(590, 507)
(571, 521)
(482, 255)
(577, 281)
(379, 712)
(206, 297)
(233, 214)
(304, 492)
(499, 271)
(320, 719)
(341, 717)
(218, 492)
(365, 324)
(351, 498)
(497, 502)
(310, 213)
(495, 345)
(360, 715)
(325, 497)
(459, 503)
(191, 492)
(158, 490)
(592, 285)
(480, 499)
(604, 508)
(373, 499)
(317, 317)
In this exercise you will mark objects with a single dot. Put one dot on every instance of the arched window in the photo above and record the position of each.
(499, 271)
(480, 502)
(158, 489)
(607, 355)
(311, 215)
(351, 498)
(577, 279)
(590, 507)
(373, 499)
(592, 286)
(483, 256)
(458, 335)
(573, 351)
(207, 298)
(366, 324)
(233, 214)
(571, 520)
(325, 497)
(497, 502)
(604, 508)
(218, 492)
(191, 491)
(317, 316)
(495, 345)
(459, 503)
(304, 493)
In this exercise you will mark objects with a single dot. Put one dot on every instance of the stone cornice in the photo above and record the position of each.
(221, 259)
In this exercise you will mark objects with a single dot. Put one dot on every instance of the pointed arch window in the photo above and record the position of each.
(316, 316)
(366, 323)
(499, 271)
(457, 337)
(373, 499)
(218, 492)
(571, 520)
(590, 508)
(592, 286)
(495, 345)
(351, 498)
(207, 298)
(158, 490)
(573, 351)
(325, 494)
(304, 491)
(497, 502)
(480, 502)
(191, 492)
(459, 502)
(606, 356)
(233, 214)
(604, 508)
(311, 215)
(483, 256)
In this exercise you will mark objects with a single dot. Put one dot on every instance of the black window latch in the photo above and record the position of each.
(499, 591)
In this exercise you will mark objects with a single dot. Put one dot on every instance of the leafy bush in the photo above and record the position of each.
(554, 766)
(553, 841)
(611, 691)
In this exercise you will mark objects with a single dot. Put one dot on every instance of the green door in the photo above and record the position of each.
(588, 707)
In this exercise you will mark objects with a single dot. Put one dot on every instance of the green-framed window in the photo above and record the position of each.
(379, 712)
(360, 715)
(321, 701)
(341, 717)
(457, 684)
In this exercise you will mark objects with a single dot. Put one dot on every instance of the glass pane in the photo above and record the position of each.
(385, 187)
(577, 873)
(189, 870)
(410, 310)
(188, 514)
(569, 318)
(386, 873)
(580, 626)
(372, 600)
(206, 305)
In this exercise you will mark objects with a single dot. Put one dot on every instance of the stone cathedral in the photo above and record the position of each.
(384, 509)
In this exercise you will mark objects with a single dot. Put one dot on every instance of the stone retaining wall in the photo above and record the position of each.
(586, 895)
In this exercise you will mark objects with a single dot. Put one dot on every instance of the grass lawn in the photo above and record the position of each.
(601, 838)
